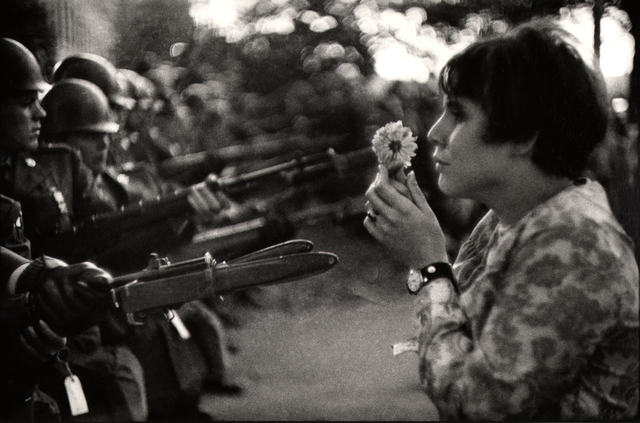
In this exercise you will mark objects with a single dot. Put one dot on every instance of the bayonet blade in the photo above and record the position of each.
(286, 248)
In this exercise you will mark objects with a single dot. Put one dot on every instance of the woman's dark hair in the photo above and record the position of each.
(532, 82)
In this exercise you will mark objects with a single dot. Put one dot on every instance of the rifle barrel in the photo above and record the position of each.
(110, 225)
(252, 149)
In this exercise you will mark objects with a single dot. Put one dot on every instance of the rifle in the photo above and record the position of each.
(89, 237)
(205, 162)
(168, 286)
(237, 238)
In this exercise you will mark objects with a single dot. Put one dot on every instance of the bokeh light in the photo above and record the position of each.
(404, 46)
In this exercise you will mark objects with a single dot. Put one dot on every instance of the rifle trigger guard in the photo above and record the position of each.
(131, 319)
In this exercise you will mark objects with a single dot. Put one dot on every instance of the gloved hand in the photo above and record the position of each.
(39, 343)
(73, 298)
(69, 298)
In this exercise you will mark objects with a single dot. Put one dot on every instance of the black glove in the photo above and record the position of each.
(69, 298)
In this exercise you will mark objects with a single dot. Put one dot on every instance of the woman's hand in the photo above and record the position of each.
(404, 224)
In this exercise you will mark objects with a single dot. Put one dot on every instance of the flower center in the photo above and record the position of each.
(395, 146)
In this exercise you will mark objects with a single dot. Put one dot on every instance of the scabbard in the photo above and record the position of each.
(176, 289)
(165, 292)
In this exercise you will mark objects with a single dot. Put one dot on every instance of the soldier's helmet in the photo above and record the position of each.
(19, 69)
(141, 89)
(96, 69)
(76, 105)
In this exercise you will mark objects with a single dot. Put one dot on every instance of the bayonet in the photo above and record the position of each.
(170, 285)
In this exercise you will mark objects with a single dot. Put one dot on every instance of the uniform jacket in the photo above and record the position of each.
(12, 227)
(56, 191)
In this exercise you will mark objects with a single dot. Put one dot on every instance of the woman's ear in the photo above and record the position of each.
(524, 149)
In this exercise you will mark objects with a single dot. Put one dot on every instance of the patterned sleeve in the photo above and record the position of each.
(521, 334)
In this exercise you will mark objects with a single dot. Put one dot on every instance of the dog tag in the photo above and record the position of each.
(77, 400)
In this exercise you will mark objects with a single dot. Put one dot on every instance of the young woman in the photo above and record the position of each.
(537, 319)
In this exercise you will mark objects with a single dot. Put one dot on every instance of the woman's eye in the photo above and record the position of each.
(457, 114)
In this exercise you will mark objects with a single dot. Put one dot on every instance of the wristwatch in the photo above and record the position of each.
(419, 278)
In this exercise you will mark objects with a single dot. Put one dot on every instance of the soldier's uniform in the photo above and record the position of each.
(176, 365)
(20, 396)
(55, 189)
(12, 228)
(22, 386)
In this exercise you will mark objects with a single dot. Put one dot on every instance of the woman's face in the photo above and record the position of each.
(467, 166)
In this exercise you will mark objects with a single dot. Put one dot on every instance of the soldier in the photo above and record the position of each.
(78, 115)
(141, 146)
(67, 299)
(100, 71)
(55, 190)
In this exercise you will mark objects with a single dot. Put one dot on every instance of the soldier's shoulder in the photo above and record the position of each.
(56, 153)
(53, 148)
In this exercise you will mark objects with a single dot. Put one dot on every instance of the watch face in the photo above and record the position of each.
(414, 281)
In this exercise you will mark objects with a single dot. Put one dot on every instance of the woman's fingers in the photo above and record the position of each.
(416, 193)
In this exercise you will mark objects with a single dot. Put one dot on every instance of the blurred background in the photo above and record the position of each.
(240, 72)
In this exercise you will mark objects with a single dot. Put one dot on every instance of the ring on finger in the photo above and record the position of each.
(372, 215)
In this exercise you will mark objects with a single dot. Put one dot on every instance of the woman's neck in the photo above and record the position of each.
(522, 194)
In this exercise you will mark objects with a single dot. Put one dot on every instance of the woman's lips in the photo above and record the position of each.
(440, 165)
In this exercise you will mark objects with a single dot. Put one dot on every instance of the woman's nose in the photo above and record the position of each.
(437, 135)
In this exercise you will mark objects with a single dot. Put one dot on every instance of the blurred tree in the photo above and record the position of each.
(281, 41)
(290, 40)
(148, 28)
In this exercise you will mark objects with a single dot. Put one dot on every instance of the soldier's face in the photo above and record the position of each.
(20, 116)
(93, 146)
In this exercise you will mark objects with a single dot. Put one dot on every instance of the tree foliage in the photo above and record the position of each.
(281, 41)
(148, 28)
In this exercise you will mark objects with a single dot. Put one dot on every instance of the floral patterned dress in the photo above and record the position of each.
(546, 325)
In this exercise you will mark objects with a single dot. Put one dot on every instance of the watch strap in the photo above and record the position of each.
(435, 271)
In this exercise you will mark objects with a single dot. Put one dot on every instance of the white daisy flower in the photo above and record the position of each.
(395, 145)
